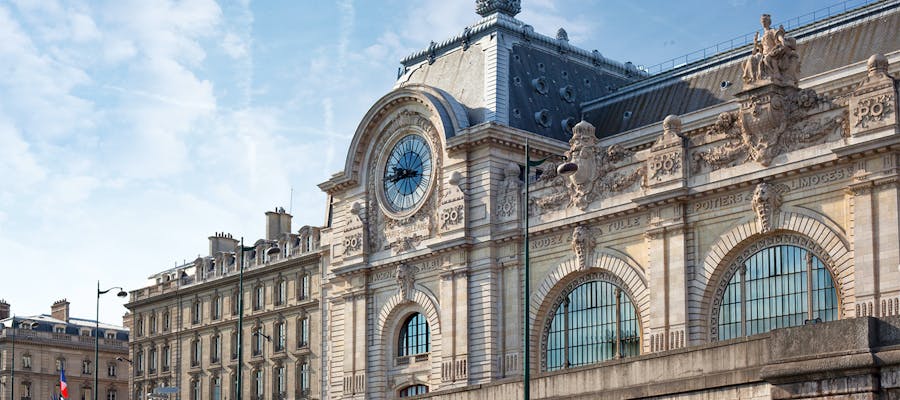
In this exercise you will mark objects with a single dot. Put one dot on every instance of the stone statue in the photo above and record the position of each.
(485, 8)
(766, 203)
(774, 58)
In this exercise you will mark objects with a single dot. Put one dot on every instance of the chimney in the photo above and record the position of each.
(278, 222)
(221, 242)
(4, 309)
(60, 310)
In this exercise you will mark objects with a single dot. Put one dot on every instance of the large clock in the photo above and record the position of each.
(407, 173)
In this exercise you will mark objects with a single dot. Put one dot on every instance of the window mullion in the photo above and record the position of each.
(566, 333)
(809, 286)
(743, 284)
(617, 348)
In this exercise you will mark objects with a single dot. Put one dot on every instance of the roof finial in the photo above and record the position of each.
(485, 8)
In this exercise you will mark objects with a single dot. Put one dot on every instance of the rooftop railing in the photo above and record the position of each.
(747, 39)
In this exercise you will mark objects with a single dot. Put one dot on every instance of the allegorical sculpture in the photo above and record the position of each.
(766, 202)
(488, 7)
(775, 116)
(774, 58)
(597, 174)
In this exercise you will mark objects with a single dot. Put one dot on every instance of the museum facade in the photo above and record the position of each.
(726, 229)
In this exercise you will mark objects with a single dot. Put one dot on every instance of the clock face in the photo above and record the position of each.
(407, 173)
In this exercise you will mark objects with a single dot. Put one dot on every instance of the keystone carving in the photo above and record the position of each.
(405, 281)
(582, 245)
(766, 203)
(596, 176)
(774, 59)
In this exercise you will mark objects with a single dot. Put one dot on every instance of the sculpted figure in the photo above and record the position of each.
(766, 202)
(774, 56)
(582, 245)
(405, 281)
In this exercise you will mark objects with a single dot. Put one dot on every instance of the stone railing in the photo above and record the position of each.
(62, 339)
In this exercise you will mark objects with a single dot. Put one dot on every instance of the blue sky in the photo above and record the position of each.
(130, 130)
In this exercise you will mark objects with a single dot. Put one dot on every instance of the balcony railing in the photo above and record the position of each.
(62, 339)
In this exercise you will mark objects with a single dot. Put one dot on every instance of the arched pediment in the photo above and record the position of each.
(442, 111)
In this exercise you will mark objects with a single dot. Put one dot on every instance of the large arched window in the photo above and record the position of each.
(595, 322)
(413, 390)
(771, 289)
(414, 336)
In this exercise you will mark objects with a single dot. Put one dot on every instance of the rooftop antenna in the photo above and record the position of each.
(291, 204)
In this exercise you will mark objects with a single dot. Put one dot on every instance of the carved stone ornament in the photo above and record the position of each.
(509, 193)
(666, 156)
(403, 234)
(597, 174)
(873, 104)
(772, 121)
(353, 231)
(405, 281)
(582, 245)
(774, 59)
(766, 203)
(451, 213)
(488, 7)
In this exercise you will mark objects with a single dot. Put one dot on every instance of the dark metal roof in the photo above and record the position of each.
(823, 46)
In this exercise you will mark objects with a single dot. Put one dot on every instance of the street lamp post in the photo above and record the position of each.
(121, 293)
(12, 372)
(564, 169)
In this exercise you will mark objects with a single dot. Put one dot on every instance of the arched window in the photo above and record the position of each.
(414, 336)
(413, 390)
(595, 322)
(776, 287)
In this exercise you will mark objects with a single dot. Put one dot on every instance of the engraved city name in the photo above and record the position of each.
(418, 268)
(821, 178)
(716, 203)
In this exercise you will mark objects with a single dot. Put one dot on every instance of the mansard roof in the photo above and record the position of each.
(825, 45)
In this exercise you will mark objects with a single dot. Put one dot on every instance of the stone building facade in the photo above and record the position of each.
(185, 322)
(33, 350)
(731, 230)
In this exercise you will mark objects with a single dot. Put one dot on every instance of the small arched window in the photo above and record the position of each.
(413, 390)
(414, 336)
(776, 287)
(595, 322)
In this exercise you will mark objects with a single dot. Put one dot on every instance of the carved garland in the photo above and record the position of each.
(751, 249)
(595, 275)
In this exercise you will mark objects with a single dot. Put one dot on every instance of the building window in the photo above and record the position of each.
(216, 387)
(280, 334)
(60, 364)
(215, 352)
(140, 325)
(196, 311)
(26, 361)
(235, 303)
(303, 332)
(258, 338)
(195, 389)
(259, 297)
(414, 336)
(304, 287)
(776, 287)
(111, 369)
(195, 352)
(258, 385)
(152, 323)
(280, 382)
(111, 335)
(111, 394)
(59, 329)
(413, 390)
(86, 393)
(234, 344)
(303, 378)
(280, 292)
(26, 390)
(595, 322)
(139, 363)
(166, 354)
(151, 360)
(85, 367)
(138, 392)
(217, 307)
(309, 242)
(166, 321)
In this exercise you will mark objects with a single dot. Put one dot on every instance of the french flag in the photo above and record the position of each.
(63, 388)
